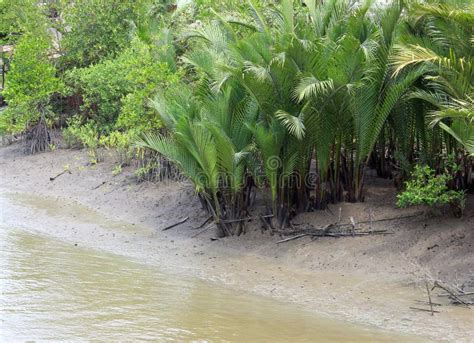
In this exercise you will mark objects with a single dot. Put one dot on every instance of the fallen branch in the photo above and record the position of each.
(378, 220)
(325, 233)
(427, 303)
(429, 298)
(203, 230)
(292, 238)
(265, 223)
(229, 221)
(423, 309)
(458, 294)
(175, 224)
(203, 223)
(453, 295)
(61, 173)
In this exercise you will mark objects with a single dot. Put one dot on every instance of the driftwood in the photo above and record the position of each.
(52, 178)
(175, 224)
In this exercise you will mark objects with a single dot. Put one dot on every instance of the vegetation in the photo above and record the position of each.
(297, 97)
(426, 188)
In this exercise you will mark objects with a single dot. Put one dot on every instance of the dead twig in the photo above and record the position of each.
(229, 221)
(458, 294)
(203, 230)
(203, 223)
(375, 221)
(453, 295)
(265, 223)
(175, 224)
(429, 297)
(427, 303)
(100, 185)
(353, 225)
(423, 309)
(61, 173)
(292, 238)
(325, 232)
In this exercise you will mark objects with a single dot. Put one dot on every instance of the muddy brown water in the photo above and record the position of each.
(54, 290)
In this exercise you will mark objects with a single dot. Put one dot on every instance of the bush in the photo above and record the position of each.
(95, 29)
(85, 135)
(115, 92)
(427, 188)
(120, 146)
(31, 82)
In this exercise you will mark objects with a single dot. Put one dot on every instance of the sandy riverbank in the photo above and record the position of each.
(367, 280)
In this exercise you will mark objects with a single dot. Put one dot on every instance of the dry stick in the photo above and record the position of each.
(353, 234)
(203, 230)
(429, 297)
(423, 309)
(175, 224)
(426, 303)
(334, 234)
(459, 294)
(292, 238)
(100, 185)
(353, 225)
(437, 284)
(370, 218)
(61, 173)
(229, 221)
(379, 220)
(262, 218)
(204, 223)
(389, 219)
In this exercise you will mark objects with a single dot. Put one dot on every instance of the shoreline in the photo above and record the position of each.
(338, 278)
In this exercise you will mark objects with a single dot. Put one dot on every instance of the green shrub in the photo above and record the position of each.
(71, 133)
(85, 135)
(148, 171)
(427, 188)
(96, 29)
(116, 91)
(31, 82)
(120, 145)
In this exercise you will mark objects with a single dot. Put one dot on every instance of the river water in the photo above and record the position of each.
(55, 290)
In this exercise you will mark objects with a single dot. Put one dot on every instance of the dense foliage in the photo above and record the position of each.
(297, 97)
(31, 83)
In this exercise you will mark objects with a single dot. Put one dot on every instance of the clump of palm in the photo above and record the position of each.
(439, 36)
(206, 136)
(289, 91)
